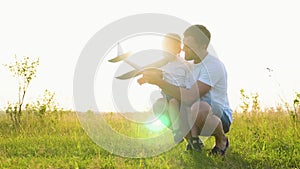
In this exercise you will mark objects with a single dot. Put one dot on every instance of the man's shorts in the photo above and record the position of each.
(225, 122)
(224, 118)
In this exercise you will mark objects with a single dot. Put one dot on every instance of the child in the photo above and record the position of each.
(176, 72)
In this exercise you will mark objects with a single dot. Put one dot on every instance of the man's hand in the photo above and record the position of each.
(151, 76)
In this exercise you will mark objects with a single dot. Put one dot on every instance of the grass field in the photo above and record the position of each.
(269, 140)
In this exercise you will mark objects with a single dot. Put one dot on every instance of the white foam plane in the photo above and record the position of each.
(121, 56)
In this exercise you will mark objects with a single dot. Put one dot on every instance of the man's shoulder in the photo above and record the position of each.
(213, 62)
(212, 59)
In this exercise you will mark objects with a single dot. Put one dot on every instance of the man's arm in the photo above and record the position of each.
(188, 96)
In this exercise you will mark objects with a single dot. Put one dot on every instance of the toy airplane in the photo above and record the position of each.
(137, 69)
(123, 56)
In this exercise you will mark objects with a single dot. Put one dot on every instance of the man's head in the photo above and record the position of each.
(196, 40)
(172, 43)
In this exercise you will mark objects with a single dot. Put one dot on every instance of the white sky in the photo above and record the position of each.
(248, 36)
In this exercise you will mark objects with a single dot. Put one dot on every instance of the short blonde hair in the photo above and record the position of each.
(172, 43)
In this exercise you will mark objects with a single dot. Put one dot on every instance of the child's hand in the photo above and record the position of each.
(151, 76)
(141, 81)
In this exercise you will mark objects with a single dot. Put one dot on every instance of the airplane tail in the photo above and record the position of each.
(120, 55)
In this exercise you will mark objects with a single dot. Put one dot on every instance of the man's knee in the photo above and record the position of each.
(200, 111)
(202, 108)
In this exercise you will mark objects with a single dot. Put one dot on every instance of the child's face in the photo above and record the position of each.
(172, 46)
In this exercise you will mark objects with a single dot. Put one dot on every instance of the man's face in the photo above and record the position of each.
(189, 45)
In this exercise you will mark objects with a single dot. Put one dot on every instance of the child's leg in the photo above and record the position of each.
(174, 108)
(160, 106)
(182, 125)
(180, 116)
(174, 113)
(160, 109)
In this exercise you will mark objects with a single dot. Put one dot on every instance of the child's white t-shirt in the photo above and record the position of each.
(177, 72)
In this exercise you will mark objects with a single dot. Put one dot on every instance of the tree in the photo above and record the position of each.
(24, 70)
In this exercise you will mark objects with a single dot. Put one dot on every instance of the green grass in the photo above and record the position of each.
(256, 141)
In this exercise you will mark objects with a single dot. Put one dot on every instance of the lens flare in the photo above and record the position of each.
(159, 124)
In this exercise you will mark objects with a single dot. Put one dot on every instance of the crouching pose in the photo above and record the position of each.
(207, 107)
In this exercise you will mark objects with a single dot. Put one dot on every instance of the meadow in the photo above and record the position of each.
(57, 140)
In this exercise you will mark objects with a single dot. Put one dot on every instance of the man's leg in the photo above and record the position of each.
(208, 123)
(193, 136)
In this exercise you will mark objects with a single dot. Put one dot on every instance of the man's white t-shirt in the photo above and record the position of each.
(177, 72)
(212, 72)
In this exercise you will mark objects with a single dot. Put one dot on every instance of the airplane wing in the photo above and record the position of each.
(137, 72)
(120, 57)
(129, 75)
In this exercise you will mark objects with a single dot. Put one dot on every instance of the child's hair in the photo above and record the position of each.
(172, 43)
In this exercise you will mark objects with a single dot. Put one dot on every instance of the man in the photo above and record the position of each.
(208, 108)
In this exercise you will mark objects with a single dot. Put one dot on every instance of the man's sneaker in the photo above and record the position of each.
(194, 144)
(217, 151)
(188, 147)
